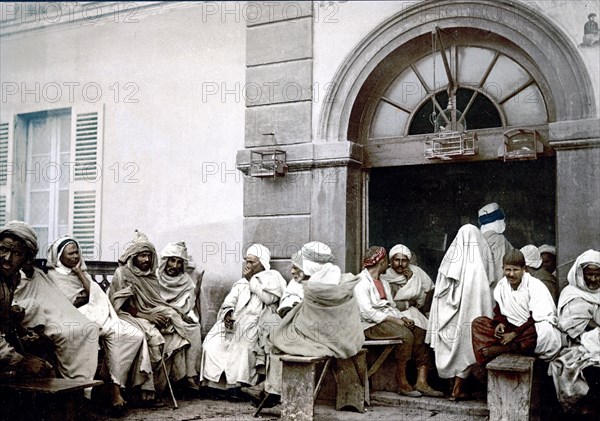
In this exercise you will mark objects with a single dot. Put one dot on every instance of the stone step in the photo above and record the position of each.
(473, 410)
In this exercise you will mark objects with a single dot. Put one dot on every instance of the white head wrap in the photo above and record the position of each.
(533, 258)
(575, 275)
(313, 257)
(263, 254)
(547, 248)
(491, 218)
(400, 249)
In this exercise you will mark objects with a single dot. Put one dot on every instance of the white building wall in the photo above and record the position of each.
(169, 153)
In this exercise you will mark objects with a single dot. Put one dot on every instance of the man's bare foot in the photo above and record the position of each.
(117, 403)
(495, 350)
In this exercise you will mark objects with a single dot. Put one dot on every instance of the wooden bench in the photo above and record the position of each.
(60, 393)
(300, 385)
(512, 391)
(389, 345)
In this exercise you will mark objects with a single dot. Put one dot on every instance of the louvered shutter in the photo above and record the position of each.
(6, 168)
(85, 192)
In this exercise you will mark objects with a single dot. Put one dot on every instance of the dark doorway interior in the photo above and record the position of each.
(423, 206)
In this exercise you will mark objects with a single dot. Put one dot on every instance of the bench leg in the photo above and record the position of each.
(350, 377)
(509, 395)
(298, 380)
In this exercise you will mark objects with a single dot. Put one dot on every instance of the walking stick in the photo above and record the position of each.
(169, 384)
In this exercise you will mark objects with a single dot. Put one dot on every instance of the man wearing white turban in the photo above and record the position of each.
(178, 289)
(381, 319)
(120, 340)
(535, 268)
(409, 284)
(491, 220)
(579, 319)
(321, 316)
(232, 351)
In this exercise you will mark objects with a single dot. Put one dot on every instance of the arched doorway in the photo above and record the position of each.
(495, 88)
(503, 68)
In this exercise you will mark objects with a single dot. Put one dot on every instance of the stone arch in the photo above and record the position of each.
(557, 59)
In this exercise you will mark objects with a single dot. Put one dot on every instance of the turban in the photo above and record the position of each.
(376, 258)
(263, 254)
(546, 248)
(490, 213)
(297, 259)
(24, 231)
(532, 256)
(312, 256)
(400, 249)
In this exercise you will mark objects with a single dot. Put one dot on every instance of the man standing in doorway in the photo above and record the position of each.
(491, 220)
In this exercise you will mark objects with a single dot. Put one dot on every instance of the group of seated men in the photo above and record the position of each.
(54, 323)
(150, 333)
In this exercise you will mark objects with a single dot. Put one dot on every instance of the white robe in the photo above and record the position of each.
(462, 293)
(531, 296)
(121, 340)
(374, 309)
(235, 352)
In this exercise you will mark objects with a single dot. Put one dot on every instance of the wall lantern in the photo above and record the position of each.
(271, 163)
(520, 144)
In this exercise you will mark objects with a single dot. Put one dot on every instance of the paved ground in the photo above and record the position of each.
(385, 408)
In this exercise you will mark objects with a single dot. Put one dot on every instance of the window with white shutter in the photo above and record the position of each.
(50, 174)
(86, 186)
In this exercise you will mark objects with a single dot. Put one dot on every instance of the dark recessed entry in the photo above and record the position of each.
(423, 206)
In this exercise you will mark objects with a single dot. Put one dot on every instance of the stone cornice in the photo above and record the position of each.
(576, 134)
(307, 156)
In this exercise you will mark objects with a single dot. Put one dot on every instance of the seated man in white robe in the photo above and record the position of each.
(179, 290)
(135, 295)
(579, 319)
(74, 337)
(382, 320)
(120, 340)
(409, 283)
(231, 352)
(524, 317)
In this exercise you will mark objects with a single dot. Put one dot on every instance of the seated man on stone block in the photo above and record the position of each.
(524, 317)
(382, 320)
